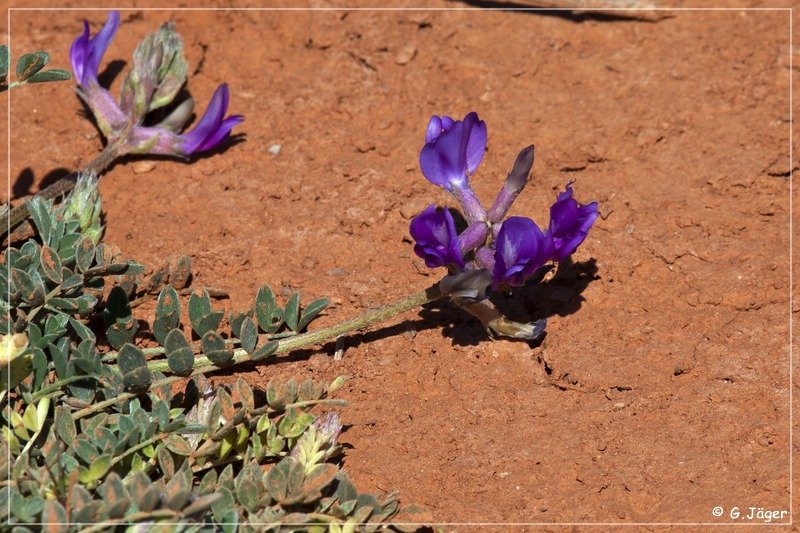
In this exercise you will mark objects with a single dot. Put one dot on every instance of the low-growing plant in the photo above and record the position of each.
(107, 423)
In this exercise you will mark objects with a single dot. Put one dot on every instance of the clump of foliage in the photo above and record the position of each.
(99, 432)
(99, 436)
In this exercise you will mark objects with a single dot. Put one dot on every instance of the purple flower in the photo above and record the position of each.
(437, 240)
(453, 150)
(86, 53)
(213, 127)
(520, 249)
(569, 223)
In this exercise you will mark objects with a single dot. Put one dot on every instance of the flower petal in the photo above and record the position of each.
(211, 129)
(434, 231)
(434, 129)
(443, 161)
(99, 43)
(77, 52)
(221, 132)
(521, 248)
(476, 143)
(569, 223)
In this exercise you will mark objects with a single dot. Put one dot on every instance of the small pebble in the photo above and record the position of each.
(142, 167)
(275, 149)
(619, 405)
(405, 54)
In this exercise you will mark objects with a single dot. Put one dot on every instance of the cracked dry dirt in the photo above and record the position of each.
(661, 389)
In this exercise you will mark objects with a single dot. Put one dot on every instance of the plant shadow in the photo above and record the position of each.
(559, 295)
(22, 186)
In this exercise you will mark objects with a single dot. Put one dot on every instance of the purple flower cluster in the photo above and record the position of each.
(512, 248)
(154, 81)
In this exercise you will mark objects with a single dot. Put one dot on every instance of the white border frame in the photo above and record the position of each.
(789, 10)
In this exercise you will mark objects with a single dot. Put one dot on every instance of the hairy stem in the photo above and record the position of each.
(203, 365)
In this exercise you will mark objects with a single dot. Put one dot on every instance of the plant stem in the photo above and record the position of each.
(103, 160)
(56, 386)
(141, 445)
(314, 337)
(203, 365)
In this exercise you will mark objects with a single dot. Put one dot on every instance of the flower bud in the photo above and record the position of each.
(158, 73)
(84, 205)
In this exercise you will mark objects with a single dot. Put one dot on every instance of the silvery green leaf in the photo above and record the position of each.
(40, 213)
(55, 74)
(39, 368)
(265, 351)
(165, 461)
(223, 510)
(209, 482)
(181, 361)
(119, 321)
(209, 323)
(51, 264)
(248, 335)
(291, 312)
(199, 308)
(84, 254)
(115, 496)
(71, 281)
(265, 308)
(31, 63)
(82, 331)
(215, 349)
(247, 494)
(235, 320)
(168, 313)
(85, 449)
(58, 354)
(201, 504)
(245, 393)
(54, 513)
(311, 311)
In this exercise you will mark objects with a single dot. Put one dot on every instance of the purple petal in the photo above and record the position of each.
(221, 133)
(453, 150)
(434, 231)
(569, 223)
(211, 129)
(100, 42)
(443, 162)
(434, 129)
(86, 53)
(521, 248)
(77, 52)
(476, 143)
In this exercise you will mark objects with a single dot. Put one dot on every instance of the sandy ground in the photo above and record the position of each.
(662, 387)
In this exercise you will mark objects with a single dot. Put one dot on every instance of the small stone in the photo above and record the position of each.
(142, 167)
(619, 405)
(405, 54)
(275, 149)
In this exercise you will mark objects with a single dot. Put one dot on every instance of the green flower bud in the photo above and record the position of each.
(83, 204)
(158, 73)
